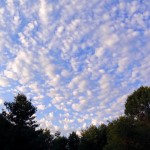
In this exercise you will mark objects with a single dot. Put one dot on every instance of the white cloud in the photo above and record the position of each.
(105, 82)
(4, 82)
(39, 97)
(1, 101)
(75, 57)
(10, 75)
(41, 107)
(80, 106)
(99, 52)
(34, 87)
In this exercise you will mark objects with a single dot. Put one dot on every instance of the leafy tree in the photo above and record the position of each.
(93, 138)
(48, 138)
(60, 142)
(120, 134)
(43, 140)
(126, 133)
(102, 136)
(20, 112)
(137, 105)
(73, 141)
(142, 135)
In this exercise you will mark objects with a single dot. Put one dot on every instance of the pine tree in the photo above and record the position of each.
(20, 112)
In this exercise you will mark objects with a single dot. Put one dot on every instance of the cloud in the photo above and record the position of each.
(1, 101)
(74, 57)
(41, 107)
(4, 82)
(80, 106)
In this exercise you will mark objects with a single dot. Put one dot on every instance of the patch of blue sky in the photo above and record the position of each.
(91, 49)
(108, 4)
(2, 3)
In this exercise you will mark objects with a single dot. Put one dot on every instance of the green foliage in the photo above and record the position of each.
(60, 143)
(120, 134)
(93, 138)
(20, 112)
(73, 141)
(132, 132)
(138, 104)
(102, 136)
(47, 139)
(128, 134)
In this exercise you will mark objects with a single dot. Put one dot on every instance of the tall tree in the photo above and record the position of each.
(73, 141)
(60, 143)
(137, 105)
(20, 112)
(5, 128)
(93, 138)
(125, 133)
(120, 133)
(18, 128)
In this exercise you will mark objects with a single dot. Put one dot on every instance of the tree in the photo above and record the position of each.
(20, 112)
(102, 136)
(46, 138)
(73, 141)
(133, 130)
(17, 127)
(93, 138)
(5, 128)
(16, 138)
(119, 134)
(126, 133)
(137, 105)
(60, 142)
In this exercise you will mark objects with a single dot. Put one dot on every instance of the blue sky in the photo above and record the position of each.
(78, 60)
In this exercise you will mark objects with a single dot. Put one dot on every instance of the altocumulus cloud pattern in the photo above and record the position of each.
(77, 59)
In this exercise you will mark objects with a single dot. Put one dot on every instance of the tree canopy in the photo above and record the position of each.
(18, 128)
(132, 131)
(20, 112)
(126, 133)
(73, 141)
(138, 104)
(93, 138)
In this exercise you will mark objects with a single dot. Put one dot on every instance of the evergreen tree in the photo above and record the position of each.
(73, 141)
(60, 143)
(20, 112)
(18, 128)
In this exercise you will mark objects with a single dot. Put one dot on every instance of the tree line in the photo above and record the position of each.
(20, 131)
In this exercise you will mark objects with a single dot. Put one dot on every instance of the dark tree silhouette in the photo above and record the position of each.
(5, 128)
(93, 138)
(120, 133)
(18, 128)
(137, 105)
(73, 141)
(126, 133)
(60, 143)
(20, 112)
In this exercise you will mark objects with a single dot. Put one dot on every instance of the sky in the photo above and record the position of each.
(77, 60)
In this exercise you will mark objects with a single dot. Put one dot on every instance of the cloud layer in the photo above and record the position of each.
(77, 60)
